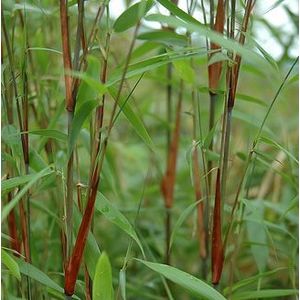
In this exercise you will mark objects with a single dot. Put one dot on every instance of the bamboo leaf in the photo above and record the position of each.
(252, 279)
(153, 63)
(9, 184)
(185, 71)
(132, 15)
(175, 10)
(185, 280)
(278, 146)
(8, 207)
(133, 119)
(87, 89)
(230, 44)
(102, 283)
(36, 274)
(186, 212)
(50, 133)
(82, 113)
(31, 271)
(105, 207)
(262, 294)
(257, 233)
(164, 37)
(251, 99)
(10, 264)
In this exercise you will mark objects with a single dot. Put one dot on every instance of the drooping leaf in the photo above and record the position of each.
(9, 184)
(133, 118)
(175, 10)
(105, 207)
(270, 141)
(153, 63)
(82, 113)
(164, 37)
(185, 71)
(10, 264)
(50, 133)
(230, 44)
(263, 294)
(252, 279)
(185, 280)
(132, 15)
(102, 283)
(8, 207)
(251, 99)
(257, 233)
(186, 212)
(86, 90)
(36, 162)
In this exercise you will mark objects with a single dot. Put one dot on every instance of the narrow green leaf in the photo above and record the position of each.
(53, 122)
(82, 113)
(251, 99)
(36, 162)
(105, 207)
(50, 133)
(250, 120)
(252, 279)
(185, 71)
(153, 63)
(165, 37)
(187, 281)
(132, 15)
(9, 184)
(10, 264)
(102, 283)
(175, 10)
(144, 49)
(262, 294)
(87, 90)
(133, 118)
(186, 212)
(230, 44)
(8, 207)
(270, 141)
(36, 274)
(257, 232)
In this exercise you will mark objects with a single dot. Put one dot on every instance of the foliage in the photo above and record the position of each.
(149, 154)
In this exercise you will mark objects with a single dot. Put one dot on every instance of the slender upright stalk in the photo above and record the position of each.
(214, 72)
(217, 256)
(73, 265)
(22, 113)
(202, 236)
(168, 181)
(70, 106)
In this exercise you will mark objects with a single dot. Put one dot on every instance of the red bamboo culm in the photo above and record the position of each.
(214, 70)
(217, 253)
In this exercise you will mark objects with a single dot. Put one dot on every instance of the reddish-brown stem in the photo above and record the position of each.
(168, 181)
(12, 227)
(66, 54)
(217, 256)
(76, 257)
(74, 262)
